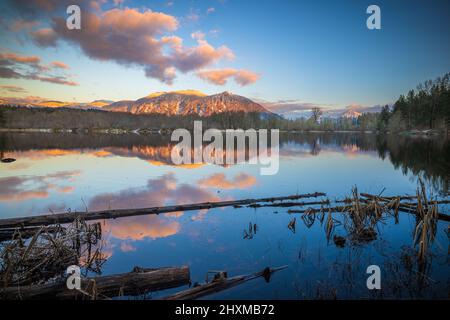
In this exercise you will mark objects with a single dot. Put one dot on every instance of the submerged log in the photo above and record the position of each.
(61, 218)
(138, 281)
(221, 283)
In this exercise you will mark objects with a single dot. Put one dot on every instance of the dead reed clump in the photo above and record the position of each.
(49, 252)
(363, 218)
(252, 229)
(426, 225)
(291, 225)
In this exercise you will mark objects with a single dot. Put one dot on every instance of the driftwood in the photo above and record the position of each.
(61, 218)
(371, 196)
(287, 204)
(407, 208)
(138, 281)
(337, 209)
(221, 283)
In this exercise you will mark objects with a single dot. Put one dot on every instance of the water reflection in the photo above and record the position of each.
(425, 157)
(327, 252)
(21, 188)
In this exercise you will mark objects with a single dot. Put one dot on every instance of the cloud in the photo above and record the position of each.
(210, 10)
(130, 37)
(59, 64)
(284, 106)
(139, 228)
(192, 16)
(13, 89)
(221, 76)
(127, 247)
(198, 35)
(202, 55)
(158, 192)
(103, 33)
(17, 188)
(11, 58)
(218, 180)
(8, 73)
(16, 66)
(118, 2)
(45, 37)
(56, 80)
(22, 24)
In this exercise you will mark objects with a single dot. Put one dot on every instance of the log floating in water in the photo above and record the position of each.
(338, 209)
(408, 207)
(60, 218)
(371, 196)
(139, 281)
(287, 204)
(220, 284)
(343, 209)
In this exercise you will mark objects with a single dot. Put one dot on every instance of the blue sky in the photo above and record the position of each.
(317, 52)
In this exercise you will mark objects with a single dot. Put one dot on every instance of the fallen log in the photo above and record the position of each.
(219, 284)
(368, 195)
(138, 281)
(61, 218)
(344, 209)
(408, 207)
(288, 204)
(337, 209)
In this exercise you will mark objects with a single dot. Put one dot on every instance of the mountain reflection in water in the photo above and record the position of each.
(58, 172)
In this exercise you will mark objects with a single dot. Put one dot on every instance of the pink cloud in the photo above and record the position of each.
(136, 38)
(13, 65)
(45, 37)
(218, 180)
(221, 76)
(127, 247)
(21, 24)
(17, 58)
(59, 64)
(128, 36)
(14, 89)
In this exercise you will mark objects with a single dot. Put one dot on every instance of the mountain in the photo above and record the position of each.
(36, 102)
(187, 102)
(100, 103)
(354, 111)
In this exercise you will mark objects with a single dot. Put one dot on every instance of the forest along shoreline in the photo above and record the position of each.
(423, 111)
(414, 132)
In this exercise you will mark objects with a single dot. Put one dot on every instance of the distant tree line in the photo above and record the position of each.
(427, 107)
(18, 117)
(2, 117)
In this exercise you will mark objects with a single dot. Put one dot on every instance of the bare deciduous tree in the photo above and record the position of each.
(316, 113)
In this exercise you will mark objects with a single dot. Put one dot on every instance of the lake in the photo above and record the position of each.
(62, 172)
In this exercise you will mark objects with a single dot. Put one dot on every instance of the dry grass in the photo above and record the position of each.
(48, 253)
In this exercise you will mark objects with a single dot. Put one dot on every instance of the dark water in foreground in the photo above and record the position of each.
(58, 172)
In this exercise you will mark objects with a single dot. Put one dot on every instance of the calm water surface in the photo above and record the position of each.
(60, 172)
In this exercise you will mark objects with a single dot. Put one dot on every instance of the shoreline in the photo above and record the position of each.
(412, 133)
